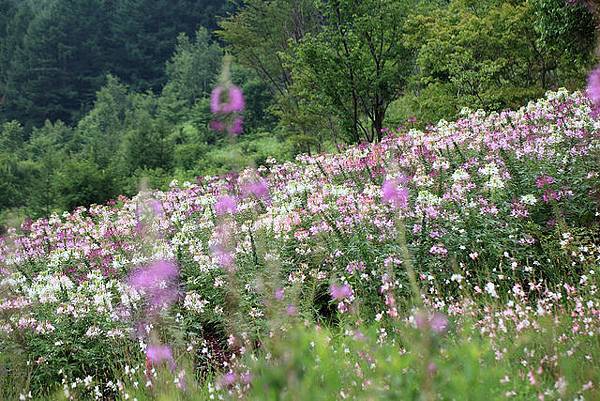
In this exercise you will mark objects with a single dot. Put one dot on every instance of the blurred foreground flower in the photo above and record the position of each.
(395, 194)
(436, 322)
(224, 100)
(157, 355)
(593, 91)
(158, 282)
(226, 104)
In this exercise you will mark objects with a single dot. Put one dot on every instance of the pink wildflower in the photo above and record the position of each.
(157, 282)
(257, 188)
(225, 204)
(339, 293)
(544, 180)
(157, 354)
(237, 126)
(235, 100)
(436, 322)
(394, 194)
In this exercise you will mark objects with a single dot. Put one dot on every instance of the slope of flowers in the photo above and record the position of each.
(502, 205)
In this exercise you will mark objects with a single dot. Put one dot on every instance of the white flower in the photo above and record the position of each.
(490, 288)
(529, 199)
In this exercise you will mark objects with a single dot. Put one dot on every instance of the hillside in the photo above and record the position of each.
(490, 221)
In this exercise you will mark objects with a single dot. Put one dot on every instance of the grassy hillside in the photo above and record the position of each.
(456, 263)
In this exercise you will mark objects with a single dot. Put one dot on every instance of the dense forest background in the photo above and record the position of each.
(95, 95)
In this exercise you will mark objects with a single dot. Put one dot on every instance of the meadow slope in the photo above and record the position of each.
(459, 262)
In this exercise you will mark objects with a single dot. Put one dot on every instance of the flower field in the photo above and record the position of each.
(460, 262)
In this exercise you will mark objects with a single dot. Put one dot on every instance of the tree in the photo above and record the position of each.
(144, 34)
(357, 64)
(262, 32)
(101, 129)
(194, 67)
(147, 142)
(59, 64)
(485, 54)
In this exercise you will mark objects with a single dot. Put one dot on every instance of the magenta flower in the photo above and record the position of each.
(593, 91)
(394, 194)
(228, 379)
(225, 259)
(153, 275)
(257, 188)
(157, 282)
(237, 126)
(225, 204)
(217, 125)
(235, 100)
(158, 354)
(544, 180)
(436, 322)
(339, 293)
(593, 88)
(291, 310)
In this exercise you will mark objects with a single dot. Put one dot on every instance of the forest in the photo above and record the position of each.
(98, 95)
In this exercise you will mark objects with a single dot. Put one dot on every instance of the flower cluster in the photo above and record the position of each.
(500, 204)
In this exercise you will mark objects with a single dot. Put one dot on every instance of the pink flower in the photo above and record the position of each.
(235, 100)
(157, 354)
(228, 379)
(153, 275)
(157, 282)
(257, 188)
(237, 126)
(224, 258)
(593, 91)
(593, 87)
(543, 180)
(225, 204)
(436, 322)
(339, 293)
(217, 125)
(394, 194)
(291, 310)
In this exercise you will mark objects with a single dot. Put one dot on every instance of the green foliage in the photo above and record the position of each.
(357, 64)
(492, 55)
(81, 182)
(193, 69)
(565, 27)
(59, 63)
(55, 54)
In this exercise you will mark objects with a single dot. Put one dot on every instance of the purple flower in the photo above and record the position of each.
(246, 377)
(225, 204)
(339, 293)
(291, 310)
(154, 275)
(593, 88)
(157, 282)
(157, 354)
(279, 293)
(543, 180)
(217, 125)
(394, 194)
(257, 188)
(224, 258)
(593, 91)
(235, 100)
(228, 379)
(436, 322)
(237, 126)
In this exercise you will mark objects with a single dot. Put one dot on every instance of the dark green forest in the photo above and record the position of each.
(98, 95)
